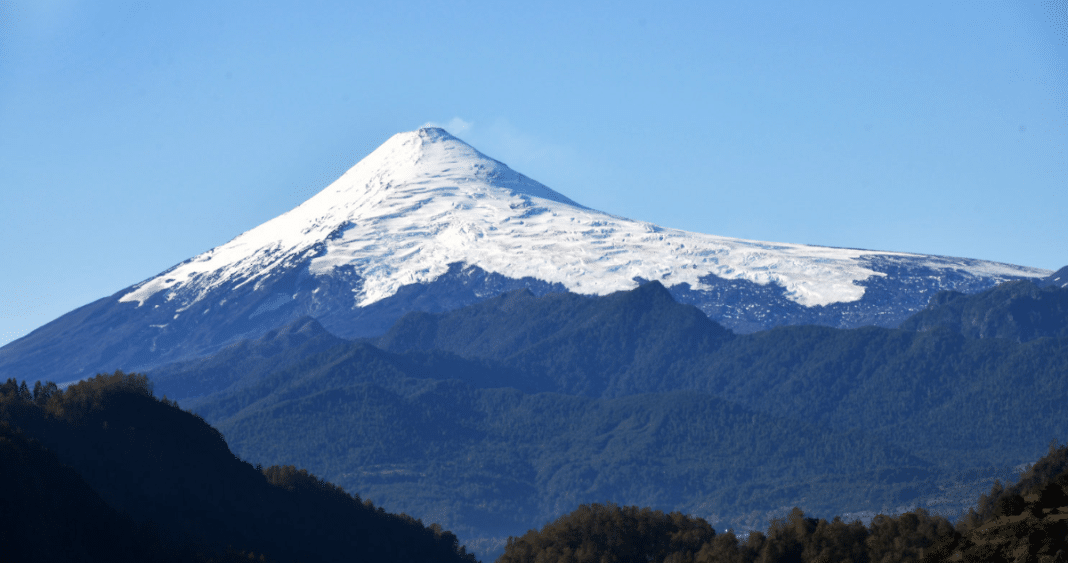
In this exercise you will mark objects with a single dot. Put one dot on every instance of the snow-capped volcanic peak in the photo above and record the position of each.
(425, 199)
(429, 161)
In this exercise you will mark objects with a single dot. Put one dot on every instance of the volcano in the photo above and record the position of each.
(428, 223)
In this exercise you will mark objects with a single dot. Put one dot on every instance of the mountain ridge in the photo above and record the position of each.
(634, 365)
(1021, 310)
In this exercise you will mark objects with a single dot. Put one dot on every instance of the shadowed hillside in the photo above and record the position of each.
(140, 471)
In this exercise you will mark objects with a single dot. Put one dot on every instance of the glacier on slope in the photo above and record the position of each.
(425, 199)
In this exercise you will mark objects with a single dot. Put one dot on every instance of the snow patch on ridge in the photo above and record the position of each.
(425, 199)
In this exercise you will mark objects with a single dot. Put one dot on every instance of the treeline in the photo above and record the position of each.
(600, 532)
(104, 471)
(1025, 522)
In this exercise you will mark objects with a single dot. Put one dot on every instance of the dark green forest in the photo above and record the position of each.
(118, 445)
(502, 416)
(521, 407)
(896, 383)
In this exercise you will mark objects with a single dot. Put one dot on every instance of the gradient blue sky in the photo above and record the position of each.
(134, 135)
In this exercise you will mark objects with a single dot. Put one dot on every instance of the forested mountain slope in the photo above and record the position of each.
(245, 362)
(1019, 310)
(52, 513)
(906, 385)
(626, 342)
(527, 403)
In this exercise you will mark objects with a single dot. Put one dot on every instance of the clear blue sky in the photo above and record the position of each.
(134, 135)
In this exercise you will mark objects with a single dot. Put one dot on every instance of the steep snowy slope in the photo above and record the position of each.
(426, 199)
(427, 222)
